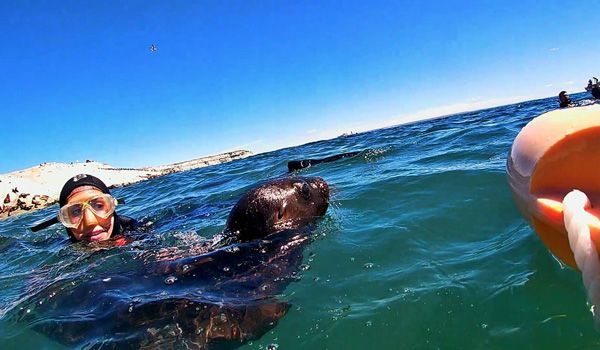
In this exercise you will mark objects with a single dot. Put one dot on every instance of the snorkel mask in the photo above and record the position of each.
(70, 215)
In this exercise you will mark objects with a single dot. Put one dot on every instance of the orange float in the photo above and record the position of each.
(554, 154)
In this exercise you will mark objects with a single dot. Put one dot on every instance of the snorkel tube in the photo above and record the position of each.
(554, 154)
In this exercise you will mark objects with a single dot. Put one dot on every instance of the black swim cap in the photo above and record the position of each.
(78, 181)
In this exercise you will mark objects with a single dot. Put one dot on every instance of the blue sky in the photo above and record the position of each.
(79, 80)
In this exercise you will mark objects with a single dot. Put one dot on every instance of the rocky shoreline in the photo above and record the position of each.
(38, 187)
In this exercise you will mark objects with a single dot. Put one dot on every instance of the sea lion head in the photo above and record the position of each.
(285, 203)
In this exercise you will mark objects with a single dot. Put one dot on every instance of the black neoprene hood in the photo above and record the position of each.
(78, 181)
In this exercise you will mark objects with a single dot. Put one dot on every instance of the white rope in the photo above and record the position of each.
(586, 256)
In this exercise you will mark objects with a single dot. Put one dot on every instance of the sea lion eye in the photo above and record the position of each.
(305, 191)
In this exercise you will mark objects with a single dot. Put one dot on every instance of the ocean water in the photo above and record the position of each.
(422, 247)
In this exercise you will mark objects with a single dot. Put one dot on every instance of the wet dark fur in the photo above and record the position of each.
(285, 203)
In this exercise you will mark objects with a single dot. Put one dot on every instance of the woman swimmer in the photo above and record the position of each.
(87, 210)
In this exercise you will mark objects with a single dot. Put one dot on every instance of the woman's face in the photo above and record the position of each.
(92, 228)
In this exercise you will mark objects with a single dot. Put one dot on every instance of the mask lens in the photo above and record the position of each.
(70, 215)
(102, 206)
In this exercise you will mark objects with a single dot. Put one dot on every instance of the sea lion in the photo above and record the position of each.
(269, 211)
(230, 299)
(285, 203)
(306, 163)
(227, 295)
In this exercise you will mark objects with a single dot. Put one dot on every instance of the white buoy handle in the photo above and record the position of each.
(576, 222)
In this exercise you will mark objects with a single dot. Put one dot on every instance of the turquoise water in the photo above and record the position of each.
(421, 248)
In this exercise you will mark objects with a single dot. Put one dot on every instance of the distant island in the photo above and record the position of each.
(39, 186)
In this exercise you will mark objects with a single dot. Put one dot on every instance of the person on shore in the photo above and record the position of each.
(596, 91)
(87, 210)
(564, 99)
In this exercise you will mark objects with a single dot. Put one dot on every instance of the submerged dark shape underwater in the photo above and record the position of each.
(223, 297)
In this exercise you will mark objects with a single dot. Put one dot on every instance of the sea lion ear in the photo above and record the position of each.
(281, 211)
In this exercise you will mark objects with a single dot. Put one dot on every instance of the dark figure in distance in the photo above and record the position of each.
(564, 99)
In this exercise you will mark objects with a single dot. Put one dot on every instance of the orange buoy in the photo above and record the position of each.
(554, 154)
